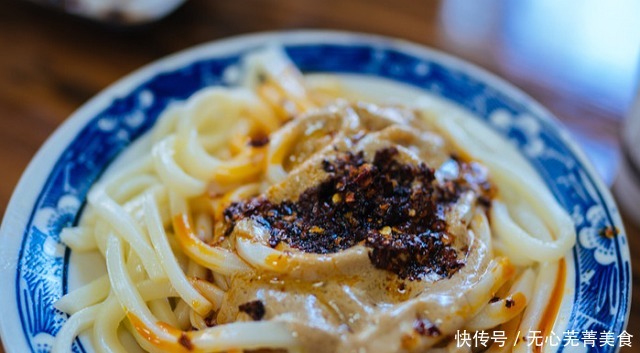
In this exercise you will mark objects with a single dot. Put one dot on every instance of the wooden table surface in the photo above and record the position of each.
(580, 63)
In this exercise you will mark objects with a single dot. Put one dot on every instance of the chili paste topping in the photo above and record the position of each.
(385, 205)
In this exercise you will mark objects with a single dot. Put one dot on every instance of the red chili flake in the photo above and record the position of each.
(425, 328)
(494, 299)
(351, 197)
(255, 309)
(509, 303)
(211, 319)
(484, 201)
(259, 141)
(185, 341)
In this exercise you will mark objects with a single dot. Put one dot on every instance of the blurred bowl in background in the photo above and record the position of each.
(116, 12)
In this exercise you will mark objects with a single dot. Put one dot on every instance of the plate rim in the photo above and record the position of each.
(25, 195)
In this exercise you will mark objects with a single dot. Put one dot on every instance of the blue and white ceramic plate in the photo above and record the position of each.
(34, 265)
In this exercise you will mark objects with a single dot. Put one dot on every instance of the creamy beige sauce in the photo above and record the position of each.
(352, 306)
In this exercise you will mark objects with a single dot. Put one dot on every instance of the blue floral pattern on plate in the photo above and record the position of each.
(601, 263)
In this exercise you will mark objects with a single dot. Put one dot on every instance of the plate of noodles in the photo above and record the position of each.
(312, 191)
